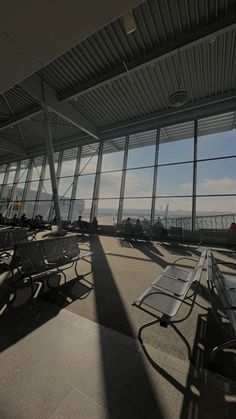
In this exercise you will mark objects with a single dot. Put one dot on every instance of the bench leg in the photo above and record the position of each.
(144, 326)
(184, 340)
(214, 352)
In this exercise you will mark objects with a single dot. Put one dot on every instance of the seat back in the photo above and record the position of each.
(52, 250)
(138, 229)
(226, 296)
(12, 237)
(70, 247)
(31, 257)
(128, 228)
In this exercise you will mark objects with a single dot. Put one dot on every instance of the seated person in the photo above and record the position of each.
(138, 228)
(23, 220)
(83, 225)
(14, 220)
(2, 219)
(94, 224)
(128, 227)
(232, 227)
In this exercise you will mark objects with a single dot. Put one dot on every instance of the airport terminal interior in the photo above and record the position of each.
(118, 209)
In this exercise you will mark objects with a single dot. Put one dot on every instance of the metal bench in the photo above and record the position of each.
(163, 298)
(44, 259)
(223, 291)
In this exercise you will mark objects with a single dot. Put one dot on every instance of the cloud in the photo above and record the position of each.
(187, 187)
(217, 186)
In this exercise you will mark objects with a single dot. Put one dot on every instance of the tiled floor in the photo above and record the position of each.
(84, 361)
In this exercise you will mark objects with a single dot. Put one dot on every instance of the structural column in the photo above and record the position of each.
(75, 183)
(154, 188)
(194, 175)
(122, 187)
(97, 183)
(40, 187)
(51, 165)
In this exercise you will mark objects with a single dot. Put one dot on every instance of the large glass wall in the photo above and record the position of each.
(216, 170)
(185, 174)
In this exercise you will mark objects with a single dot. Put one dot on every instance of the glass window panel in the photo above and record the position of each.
(12, 172)
(139, 182)
(2, 173)
(32, 188)
(23, 170)
(175, 180)
(6, 191)
(85, 187)
(137, 208)
(37, 168)
(69, 162)
(65, 187)
(89, 157)
(141, 157)
(113, 154)
(107, 211)
(175, 212)
(213, 212)
(28, 208)
(176, 143)
(64, 208)
(142, 148)
(3, 207)
(46, 192)
(18, 193)
(217, 136)
(44, 209)
(216, 177)
(110, 185)
(82, 207)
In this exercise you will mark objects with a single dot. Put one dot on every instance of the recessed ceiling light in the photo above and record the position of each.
(129, 23)
(178, 99)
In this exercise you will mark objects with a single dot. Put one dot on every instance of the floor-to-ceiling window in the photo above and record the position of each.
(216, 170)
(168, 173)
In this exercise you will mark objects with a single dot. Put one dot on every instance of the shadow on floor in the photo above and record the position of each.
(67, 293)
(111, 313)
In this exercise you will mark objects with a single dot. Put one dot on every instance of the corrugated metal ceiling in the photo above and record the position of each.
(206, 69)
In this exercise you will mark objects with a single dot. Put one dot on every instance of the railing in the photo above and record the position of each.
(215, 222)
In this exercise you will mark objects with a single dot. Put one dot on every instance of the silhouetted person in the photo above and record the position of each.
(138, 228)
(2, 219)
(14, 220)
(128, 227)
(23, 220)
(232, 227)
(95, 223)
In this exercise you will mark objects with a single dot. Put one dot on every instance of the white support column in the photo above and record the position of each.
(40, 187)
(122, 186)
(51, 165)
(154, 188)
(58, 174)
(194, 175)
(96, 189)
(26, 188)
(75, 183)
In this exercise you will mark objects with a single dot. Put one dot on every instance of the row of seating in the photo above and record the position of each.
(164, 297)
(223, 293)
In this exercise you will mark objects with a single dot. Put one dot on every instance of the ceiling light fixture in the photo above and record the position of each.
(129, 23)
(180, 97)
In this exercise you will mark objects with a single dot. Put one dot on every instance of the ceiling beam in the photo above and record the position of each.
(201, 109)
(42, 92)
(187, 41)
(12, 148)
(20, 118)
